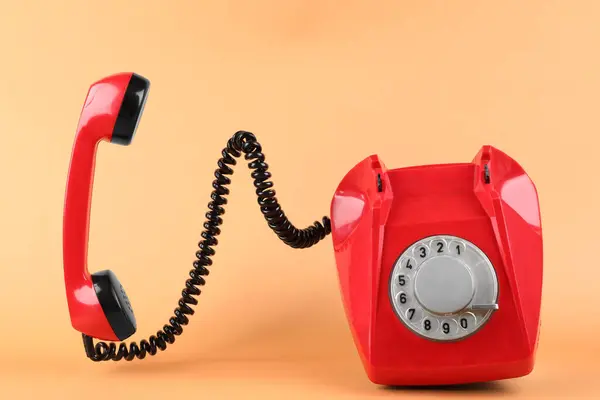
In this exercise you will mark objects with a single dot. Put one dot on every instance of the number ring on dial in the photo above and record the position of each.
(443, 288)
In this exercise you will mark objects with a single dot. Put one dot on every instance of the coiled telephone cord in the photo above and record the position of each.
(240, 143)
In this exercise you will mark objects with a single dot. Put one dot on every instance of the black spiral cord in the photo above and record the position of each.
(240, 142)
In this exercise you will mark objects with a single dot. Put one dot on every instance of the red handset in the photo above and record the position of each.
(440, 269)
(98, 305)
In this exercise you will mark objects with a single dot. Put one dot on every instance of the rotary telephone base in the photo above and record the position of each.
(440, 269)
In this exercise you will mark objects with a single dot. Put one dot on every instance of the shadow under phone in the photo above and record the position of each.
(495, 387)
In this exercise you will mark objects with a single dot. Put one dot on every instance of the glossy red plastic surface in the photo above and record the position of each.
(96, 123)
(370, 229)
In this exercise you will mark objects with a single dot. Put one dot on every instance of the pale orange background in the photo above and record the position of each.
(323, 84)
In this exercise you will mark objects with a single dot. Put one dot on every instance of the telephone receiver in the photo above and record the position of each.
(97, 302)
(440, 266)
(440, 269)
(98, 305)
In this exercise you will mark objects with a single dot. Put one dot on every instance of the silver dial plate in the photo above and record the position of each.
(443, 288)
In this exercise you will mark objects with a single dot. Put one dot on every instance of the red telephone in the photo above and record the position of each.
(440, 266)
(440, 269)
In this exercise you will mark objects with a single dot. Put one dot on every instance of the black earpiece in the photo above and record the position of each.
(131, 110)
